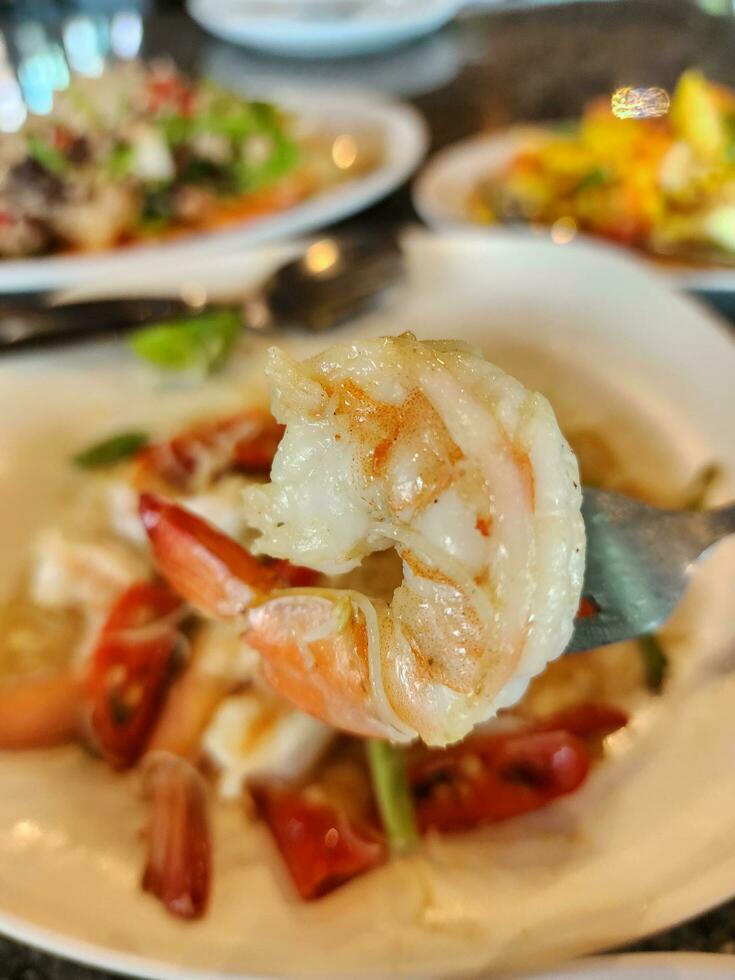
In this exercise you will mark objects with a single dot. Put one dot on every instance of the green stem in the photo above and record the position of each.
(655, 662)
(393, 794)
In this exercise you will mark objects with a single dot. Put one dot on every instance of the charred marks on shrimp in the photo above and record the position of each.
(407, 444)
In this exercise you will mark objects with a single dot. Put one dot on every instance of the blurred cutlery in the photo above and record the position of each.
(333, 280)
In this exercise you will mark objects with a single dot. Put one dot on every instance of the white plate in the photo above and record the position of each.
(401, 131)
(649, 840)
(287, 28)
(647, 966)
(442, 189)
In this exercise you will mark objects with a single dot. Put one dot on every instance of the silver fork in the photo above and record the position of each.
(639, 559)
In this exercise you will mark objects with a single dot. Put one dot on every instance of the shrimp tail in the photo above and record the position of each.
(215, 574)
(178, 869)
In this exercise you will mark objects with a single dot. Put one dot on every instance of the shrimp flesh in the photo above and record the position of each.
(429, 449)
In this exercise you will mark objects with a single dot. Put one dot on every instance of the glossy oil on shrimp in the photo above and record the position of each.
(428, 449)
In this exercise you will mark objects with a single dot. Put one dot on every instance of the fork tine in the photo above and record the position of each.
(638, 562)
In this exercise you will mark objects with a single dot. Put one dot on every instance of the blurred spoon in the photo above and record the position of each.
(334, 280)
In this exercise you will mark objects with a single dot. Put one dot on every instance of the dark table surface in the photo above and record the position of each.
(486, 70)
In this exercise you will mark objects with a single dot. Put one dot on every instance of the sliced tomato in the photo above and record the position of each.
(246, 441)
(130, 670)
(322, 848)
(178, 868)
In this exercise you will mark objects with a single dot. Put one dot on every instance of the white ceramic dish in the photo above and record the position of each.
(647, 966)
(351, 29)
(400, 130)
(441, 192)
(647, 842)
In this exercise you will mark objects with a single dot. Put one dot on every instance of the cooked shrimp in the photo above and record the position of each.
(429, 449)
(37, 712)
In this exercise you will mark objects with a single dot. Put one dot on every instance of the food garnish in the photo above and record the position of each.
(112, 450)
(203, 342)
(389, 775)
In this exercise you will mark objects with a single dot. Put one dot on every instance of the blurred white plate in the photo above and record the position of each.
(650, 839)
(647, 966)
(398, 128)
(350, 29)
(442, 190)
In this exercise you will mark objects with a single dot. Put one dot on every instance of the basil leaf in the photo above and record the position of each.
(201, 342)
(111, 450)
(49, 157)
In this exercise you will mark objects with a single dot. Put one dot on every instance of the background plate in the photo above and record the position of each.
(354, 29)
(442, 189)
(403, 135)
(649, 840)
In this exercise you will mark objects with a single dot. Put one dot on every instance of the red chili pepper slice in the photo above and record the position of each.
(130, 670)
(246, 441)
(499, 775)
(496, 777)
(322, 848)
(590, 720)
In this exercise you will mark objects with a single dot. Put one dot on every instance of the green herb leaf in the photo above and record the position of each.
(393, 794)
(111, 450)
(202, 342)
(49, 157)
(595, 178)
(655, 662)
(283, 158)
(120, 161)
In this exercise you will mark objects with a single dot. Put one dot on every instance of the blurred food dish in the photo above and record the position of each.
(637, 170)
(147, 164)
